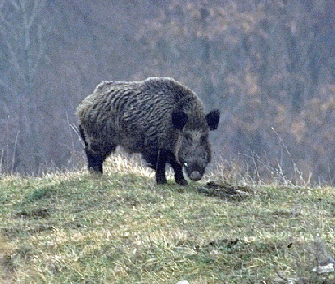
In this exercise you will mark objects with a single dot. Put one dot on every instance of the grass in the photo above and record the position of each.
(121, 228)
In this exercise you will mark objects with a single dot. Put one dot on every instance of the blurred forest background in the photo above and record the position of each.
(269, 65)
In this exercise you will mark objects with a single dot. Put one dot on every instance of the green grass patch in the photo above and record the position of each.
(122, 228)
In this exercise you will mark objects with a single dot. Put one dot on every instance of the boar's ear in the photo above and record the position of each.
(213, 118)
(179, 119)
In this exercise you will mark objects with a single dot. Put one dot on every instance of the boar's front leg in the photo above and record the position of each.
(178, 169)
(156, 159)
(178, 173)
(160, 167)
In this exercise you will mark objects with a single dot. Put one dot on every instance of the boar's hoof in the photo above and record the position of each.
(195, 176)
(182, 182)
(161, 181)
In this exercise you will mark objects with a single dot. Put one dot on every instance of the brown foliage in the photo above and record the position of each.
(266, 64)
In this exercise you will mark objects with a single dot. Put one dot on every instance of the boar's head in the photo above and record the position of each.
(193, 150)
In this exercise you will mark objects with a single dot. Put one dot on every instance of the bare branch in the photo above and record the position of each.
(13, 56)
(7, 86)
(3, 83)
(16, 5)
(38, 5)
(41, 50)
(3, 20)
(14, 151)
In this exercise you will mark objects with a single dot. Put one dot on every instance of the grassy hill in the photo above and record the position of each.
(121, 228)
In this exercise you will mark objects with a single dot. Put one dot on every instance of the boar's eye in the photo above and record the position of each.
(188, 137)
(203, 139)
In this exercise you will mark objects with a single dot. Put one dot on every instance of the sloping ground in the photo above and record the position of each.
(122, 228)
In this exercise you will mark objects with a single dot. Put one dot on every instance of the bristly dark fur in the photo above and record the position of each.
(147, 117)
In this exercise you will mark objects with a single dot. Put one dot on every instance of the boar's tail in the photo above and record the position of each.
(82, 134)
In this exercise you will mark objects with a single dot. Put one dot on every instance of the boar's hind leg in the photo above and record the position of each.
(96, 159)
(94, 162)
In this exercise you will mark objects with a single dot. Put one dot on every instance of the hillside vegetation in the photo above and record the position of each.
(121, 228)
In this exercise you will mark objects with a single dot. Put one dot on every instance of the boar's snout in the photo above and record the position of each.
(194, 171)
(195, 176)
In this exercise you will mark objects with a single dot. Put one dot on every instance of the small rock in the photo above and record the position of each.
(183, 282)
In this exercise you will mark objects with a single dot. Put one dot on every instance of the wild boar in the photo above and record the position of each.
(159, 117)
